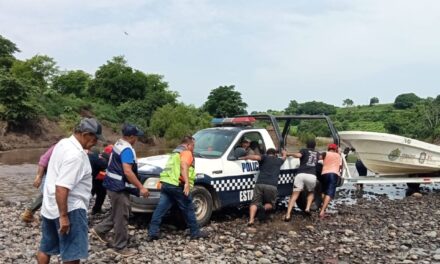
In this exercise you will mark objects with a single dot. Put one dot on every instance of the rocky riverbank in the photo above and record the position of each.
(372, 231)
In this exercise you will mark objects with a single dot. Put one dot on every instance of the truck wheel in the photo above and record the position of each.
(412, 188)
(301, 202)
(202, 200)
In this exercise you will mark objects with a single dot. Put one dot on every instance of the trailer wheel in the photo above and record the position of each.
(203, 204)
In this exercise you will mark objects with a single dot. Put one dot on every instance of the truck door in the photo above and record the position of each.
(238, 179)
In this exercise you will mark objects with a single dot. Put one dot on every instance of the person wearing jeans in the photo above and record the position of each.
(170, 195)
(176, 179)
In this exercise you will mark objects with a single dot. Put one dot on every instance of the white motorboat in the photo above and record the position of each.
(388, 154)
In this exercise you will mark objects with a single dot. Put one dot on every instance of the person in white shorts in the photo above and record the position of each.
(305, 180)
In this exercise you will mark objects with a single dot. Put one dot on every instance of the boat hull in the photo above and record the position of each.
(388, 154)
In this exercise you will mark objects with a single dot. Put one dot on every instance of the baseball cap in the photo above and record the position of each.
(332, 146)
(131, 130)
(108, 149)
(90, 125)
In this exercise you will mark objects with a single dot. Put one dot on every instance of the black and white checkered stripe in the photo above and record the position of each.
(233, 184)
(285, 178)
(247, 183)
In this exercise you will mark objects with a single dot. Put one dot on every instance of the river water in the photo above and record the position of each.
(18, 168)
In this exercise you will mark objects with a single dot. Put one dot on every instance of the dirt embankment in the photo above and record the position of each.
(46, 133)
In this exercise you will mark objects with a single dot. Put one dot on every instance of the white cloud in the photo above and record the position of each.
(301, 50)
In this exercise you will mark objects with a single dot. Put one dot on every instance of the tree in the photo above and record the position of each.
(37, 71)
(430, 112)
(7, 49)
(175, 121)
(224, 101)
(115, 82)
(347, 102)
(292, 108)
(72, 82)
(373, 101)
(404, 101)
(316, 108)
(17, 100)
(157, 94)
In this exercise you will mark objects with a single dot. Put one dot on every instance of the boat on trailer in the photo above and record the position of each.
(392, 155)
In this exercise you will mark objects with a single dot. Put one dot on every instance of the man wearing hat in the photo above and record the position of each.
(331, 170)
(66, 196)
(121, 180)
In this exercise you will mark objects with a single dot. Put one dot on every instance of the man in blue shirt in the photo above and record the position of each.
(121, 181)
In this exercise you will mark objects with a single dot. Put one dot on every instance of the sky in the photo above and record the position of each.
(272, 51)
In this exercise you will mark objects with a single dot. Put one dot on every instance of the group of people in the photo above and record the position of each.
(69, 173)
(265, 190)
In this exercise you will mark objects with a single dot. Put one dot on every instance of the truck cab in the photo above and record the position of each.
(222, 179)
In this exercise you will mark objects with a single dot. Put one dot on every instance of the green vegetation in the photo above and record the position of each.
(116, 93)
(175, 121)
(224, 101)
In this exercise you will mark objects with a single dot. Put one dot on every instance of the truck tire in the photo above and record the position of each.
(301, 202)
(412, 188)
(203, 204)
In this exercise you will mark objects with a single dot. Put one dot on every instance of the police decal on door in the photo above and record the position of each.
(246, 195)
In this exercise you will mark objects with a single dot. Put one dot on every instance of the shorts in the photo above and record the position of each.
(304, 181)
(72, 246)
(264, 193)
(329, 182)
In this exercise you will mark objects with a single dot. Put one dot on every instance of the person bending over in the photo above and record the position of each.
(265, 190)
(305, 180)
(331, 171)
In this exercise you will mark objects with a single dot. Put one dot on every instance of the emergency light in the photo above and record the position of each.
(234, 121)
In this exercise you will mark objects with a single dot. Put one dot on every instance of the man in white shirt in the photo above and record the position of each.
(66, 195)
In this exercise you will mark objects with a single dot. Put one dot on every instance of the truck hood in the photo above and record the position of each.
(152, 165)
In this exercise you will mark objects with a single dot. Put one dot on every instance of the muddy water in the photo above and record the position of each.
(18, 169)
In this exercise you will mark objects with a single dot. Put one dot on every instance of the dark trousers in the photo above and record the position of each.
(100, 192)
(118, 219)
(170, 195)
(36, 203)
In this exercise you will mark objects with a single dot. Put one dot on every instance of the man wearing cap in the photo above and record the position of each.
(121, 180)
(331, 170)
(66, 196)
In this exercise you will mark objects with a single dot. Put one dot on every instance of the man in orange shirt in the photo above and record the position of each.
(176, 180)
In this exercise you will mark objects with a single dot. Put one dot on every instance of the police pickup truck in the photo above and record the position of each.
(222, 179)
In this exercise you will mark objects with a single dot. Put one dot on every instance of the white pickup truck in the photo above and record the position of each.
(221, 179)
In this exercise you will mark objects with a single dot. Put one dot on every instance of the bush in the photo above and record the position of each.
(404, 101)
(173, 122)
(17, 99)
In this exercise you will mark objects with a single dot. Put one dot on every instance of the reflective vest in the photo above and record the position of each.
(115, 179)
(171, 172)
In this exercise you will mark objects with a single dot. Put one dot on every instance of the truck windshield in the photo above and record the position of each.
(212, 143)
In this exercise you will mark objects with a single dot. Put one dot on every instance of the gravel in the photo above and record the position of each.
(376, 230)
